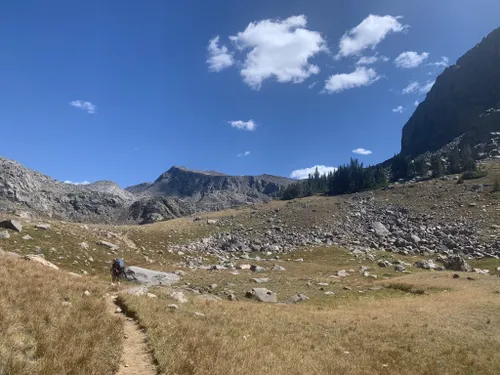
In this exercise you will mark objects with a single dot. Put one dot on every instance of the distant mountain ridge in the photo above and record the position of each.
(177, 192)
(456, 103)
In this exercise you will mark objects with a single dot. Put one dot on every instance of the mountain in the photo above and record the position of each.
(457, 102)
(175, 193)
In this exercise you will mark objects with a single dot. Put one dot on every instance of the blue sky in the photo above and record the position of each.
(122, 90)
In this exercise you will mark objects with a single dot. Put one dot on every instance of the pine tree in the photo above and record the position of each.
(436, 166)
(400, 167)
(421, 167)
(467, 159)
(454, 162)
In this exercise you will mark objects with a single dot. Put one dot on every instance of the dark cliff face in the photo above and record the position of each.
(460, 95)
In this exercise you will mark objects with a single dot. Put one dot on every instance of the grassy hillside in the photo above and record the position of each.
(49, 326)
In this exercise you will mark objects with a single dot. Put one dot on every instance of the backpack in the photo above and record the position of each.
(120, 264)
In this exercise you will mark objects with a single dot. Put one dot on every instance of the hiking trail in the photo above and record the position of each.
(136, 358)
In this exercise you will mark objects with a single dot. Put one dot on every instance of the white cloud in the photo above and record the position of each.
(301, 174)
(368, 60)
(246, 153)
(344, 81)
(416, 103)
(398, 109)
(362, 151)
(410, 59)
(312, 85)
(279, 49)
(76, 183)
(86, 106)
(444, 62)
(370, 32)
(415, 87)
(425, 88)
(249, 125)
(219, 57)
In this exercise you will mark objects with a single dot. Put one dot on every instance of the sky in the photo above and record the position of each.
(122, 90)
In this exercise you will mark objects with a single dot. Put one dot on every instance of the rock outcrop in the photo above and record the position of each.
(457, 102)
(177, 192)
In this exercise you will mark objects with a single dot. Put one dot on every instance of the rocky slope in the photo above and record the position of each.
(177, 192)
(457, 101)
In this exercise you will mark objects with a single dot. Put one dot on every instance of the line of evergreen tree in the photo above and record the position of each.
(354, 177)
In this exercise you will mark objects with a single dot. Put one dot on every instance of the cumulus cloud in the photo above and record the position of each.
(249, 125)
(410, 59)
(86, 106)
(368, 34)
(76, 183)
(246, 153)
(360, 77)
(301, 174)
(362, 151)
(280, 49)
(415, 87)
(398, 109)
(219, 58)
(368, 60)
(444, 62)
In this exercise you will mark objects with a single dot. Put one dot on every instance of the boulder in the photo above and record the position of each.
(426, 264)
(4, 234)
(457, 263)
(12, 224)
(42, 226)
(262, 295)
(150, 277)
(38, 259)
(380, 229)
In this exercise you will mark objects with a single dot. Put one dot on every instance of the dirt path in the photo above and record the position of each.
(136, 359)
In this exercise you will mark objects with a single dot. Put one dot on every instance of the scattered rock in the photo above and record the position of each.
(260, 280)
(173, 306)
(179, 297)
(277, 267)
(299, 298)
(342, 273)
(38, 259)
(384, 263)
(110, 245)
(84, 245)
(400, 268)
(12, 224)
(42, 226)
(380, 229)
(118, 310)
(87, 293)
(457, 263)
(256, 268)
(27, 237)
(4, 234)
(262, 295)
(456, 276)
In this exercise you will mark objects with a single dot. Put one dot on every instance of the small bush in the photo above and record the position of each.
(496, 185)
(472, 175)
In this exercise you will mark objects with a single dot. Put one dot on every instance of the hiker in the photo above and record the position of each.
(117, 269)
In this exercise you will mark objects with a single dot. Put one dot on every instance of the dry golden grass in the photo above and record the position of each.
(455, 331)
(41, 334)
